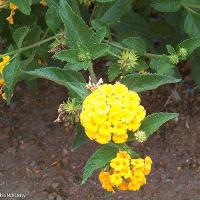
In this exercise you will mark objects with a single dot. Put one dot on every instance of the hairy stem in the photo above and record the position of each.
(149, 55)
(37, 44)
(191, 10)
(191, 5)
(92, 74)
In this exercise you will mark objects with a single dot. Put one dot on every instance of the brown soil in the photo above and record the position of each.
(36, 160)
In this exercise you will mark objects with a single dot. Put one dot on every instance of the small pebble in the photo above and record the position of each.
(50, 197)
(54, 185)
(59, 198)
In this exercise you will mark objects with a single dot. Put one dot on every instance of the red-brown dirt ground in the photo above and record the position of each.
(36, 160)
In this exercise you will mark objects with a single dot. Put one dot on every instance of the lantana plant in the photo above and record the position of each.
(106, 53)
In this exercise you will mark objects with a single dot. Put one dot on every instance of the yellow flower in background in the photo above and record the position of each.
(2, 3)
(13, 7)
(2, 83)
(125, 173)
(43, 2)
(110, 111)
(3, 63)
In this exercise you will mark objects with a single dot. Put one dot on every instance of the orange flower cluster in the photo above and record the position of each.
(125, 173)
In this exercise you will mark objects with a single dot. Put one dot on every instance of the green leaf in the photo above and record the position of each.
(135, 43)
(190, 44)
(78, 66)
(34, 31)
(20, 34)
(192, 24)
(116, 11)
(196, 71)
(153, 122)
(23, 5)
(11, 75)
(83, 48)
(171, 49)
(54, 3)
(52, 19)
(144, 82)
(74, 81)
(166, 5)
(113, 72)
(141, 65)
(161, 65)
(133, 24)
(98, 50)
(77, 30)
(99, 159)
(80, 137)
(98, 36)
(29, 40)
(70, 56)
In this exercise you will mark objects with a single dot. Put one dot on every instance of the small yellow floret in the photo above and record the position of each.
(13, 7)
(3, 63)
(43, 2)
(104, 178)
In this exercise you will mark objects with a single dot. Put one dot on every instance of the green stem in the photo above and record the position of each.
(111, 53)
(92, 74)
(191, 5)
(191, 10)
(151, 55)
(45, 34)
(29, 47)
(116, 45)
(75, 6)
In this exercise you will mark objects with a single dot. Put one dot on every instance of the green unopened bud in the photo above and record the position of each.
(140, 136)
(84, 57)
(68, 113)
(59, 44)
(183, 53)
(127, 60)
(174, 59)
(70, 107)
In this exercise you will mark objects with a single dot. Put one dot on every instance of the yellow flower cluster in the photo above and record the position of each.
(3, 63)
(110, 112)
(12, 7)
(125, 173)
